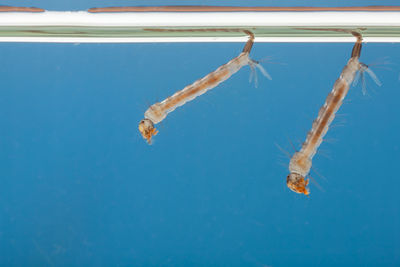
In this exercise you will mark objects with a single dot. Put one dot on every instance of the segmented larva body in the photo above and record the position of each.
(301, 162)
(157, 112)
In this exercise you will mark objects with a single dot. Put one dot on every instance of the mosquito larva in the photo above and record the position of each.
(300, 163)
(157, 112)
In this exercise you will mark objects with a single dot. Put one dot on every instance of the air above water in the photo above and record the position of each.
(80, 187)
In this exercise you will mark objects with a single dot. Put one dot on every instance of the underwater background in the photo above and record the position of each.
(80, 187)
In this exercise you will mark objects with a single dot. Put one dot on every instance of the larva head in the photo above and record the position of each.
(146, 128)
(297, 183)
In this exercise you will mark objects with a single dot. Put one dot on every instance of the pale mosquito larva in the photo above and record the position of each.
(300, 163)
(158, 111)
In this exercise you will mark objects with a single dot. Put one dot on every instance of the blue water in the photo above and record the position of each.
(80, 187)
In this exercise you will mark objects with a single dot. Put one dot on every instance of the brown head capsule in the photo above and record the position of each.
(146, 128)
(297, 183)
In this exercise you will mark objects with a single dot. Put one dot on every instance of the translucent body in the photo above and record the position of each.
(301, 162)
(159, 111)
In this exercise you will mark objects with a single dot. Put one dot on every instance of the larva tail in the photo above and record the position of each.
(256, 65)
(360, 75)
